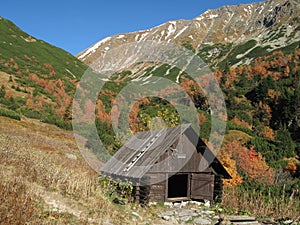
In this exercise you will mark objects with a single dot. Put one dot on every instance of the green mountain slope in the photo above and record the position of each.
(37, 78)
(16, 44)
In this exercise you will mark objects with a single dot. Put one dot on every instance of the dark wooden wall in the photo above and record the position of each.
(158, 189)
(218, 189)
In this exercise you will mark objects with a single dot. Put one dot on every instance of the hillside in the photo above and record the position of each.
(37, 79)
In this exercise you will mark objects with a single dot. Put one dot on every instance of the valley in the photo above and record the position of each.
(252, 51)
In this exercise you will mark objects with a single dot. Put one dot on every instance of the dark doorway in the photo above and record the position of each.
(178, 186)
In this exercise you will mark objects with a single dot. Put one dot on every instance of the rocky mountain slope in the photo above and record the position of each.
(248, 29)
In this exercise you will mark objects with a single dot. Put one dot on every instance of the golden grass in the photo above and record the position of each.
(261, 205)
(41, 185)
(236, 135)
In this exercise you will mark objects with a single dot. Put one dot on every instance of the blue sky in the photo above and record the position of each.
(76, 25)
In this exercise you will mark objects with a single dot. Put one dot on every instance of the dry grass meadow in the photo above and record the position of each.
(41, 184)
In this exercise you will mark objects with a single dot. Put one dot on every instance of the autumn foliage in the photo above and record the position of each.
(291, 166)
(247, 162)
(239, 122)
(230, 165)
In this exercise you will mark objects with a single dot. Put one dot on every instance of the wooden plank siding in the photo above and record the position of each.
(202, 186)
(172, 163)
(218, 189)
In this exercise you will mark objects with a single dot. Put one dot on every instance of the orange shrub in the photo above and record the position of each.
(250, 163)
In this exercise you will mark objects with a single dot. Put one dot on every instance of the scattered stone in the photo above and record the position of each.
(202, 221)
(185, 218)
(167, 218)
(196, 214)
(170, 204)
(185, 212)
(288, 221)
(176, 204)
(208, 212)
(199, 211)
(170, 219)
(168, 213)
(184, 204)
(71, 156)
(207, 204)
(107, 222)
(137, 215)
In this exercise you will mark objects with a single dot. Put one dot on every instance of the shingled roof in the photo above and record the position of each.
(143, 150)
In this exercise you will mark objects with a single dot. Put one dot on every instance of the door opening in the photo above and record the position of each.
(178, 186)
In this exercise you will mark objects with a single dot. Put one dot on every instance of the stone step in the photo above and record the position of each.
(241, 218)
(246, 223)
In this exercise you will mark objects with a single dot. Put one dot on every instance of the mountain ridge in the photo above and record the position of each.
(233, 24)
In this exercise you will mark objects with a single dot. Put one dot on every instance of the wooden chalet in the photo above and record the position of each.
(172, 164)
